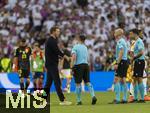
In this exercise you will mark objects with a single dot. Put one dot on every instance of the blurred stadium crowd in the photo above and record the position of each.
(32, 20)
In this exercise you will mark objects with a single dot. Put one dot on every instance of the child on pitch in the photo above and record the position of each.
(37, 62)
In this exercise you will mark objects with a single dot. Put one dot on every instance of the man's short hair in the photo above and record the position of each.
(53, 29)
(135, 31)
(23, 40)
(82, 38)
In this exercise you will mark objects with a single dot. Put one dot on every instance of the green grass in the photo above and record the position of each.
(102, 105)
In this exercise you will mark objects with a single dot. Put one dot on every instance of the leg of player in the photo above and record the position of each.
(90, 87)
(40, 84)
(22, 84)
(83, 86)
(135, 85)
(124, 89)
(34, 83)
(117, 89)
(141, 89)
(27, 84)
(78, 93)
(68, 84)
(131, 97)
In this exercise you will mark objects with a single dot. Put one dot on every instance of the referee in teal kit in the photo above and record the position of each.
(121, 67)
(139, 65)
(80, 69)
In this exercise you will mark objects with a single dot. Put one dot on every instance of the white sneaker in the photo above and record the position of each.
(65, 103)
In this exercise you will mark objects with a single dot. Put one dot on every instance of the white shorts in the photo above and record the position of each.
(65, 73)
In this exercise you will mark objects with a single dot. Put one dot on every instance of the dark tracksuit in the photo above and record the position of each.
(52, 55)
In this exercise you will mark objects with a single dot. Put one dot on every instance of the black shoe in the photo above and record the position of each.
(114, 102)
(124, 102)
(94, 100)
(141, 101)
(134, 101)
(79, 103)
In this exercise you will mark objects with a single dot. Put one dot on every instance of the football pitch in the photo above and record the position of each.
(102, 105)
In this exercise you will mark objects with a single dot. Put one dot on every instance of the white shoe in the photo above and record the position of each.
(65, 103)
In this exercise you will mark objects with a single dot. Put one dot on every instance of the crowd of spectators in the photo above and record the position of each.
(97, 19)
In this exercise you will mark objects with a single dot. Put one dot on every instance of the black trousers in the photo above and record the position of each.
(53, 75)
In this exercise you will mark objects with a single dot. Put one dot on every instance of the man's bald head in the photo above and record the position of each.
(118, 32)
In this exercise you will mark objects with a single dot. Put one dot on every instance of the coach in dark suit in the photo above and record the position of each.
(52, 55)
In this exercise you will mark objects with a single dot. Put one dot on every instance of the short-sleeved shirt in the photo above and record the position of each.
(81, 52)
(121, 44)
(23, 55)
(139, 45)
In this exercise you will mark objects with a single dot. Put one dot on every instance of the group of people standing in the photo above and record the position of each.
(137, 65)
(77, 64)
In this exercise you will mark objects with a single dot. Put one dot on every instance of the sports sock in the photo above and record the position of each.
(27, 85)
(90, 87)
(22, 86)
(141, 89)
(124, 89)
(78, 93)
(135, 91)
(117, 91)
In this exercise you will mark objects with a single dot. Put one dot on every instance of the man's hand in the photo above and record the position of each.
(115, 66)
(66, 57)
(72, 72)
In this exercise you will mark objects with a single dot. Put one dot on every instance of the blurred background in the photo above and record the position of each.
(32, 20)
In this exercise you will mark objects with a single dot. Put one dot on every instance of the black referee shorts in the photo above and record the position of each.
(122, 69)
(139, 66)
(81, 72)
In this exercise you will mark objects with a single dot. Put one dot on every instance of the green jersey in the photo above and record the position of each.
(37, 63)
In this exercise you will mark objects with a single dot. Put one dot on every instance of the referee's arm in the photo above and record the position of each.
(120, 55)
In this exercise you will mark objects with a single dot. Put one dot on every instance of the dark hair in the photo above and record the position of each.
(23, 40)
(82, 38)
(135, 31)
(54, 29)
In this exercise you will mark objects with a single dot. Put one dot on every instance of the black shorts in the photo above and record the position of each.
(139, 66)
(81, 72)
(38, 75)
(24, 73)
(122, 69)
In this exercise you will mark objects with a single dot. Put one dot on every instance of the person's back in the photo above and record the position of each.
(80, 68)
(81, 54)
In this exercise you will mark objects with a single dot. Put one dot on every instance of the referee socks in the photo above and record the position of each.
(91, 90)
(141, 89)
(117, 91)
(124, 89)
(136, 91)
(78, 92)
